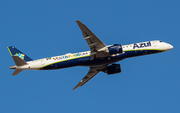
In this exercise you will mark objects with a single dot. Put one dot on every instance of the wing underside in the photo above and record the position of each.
(98, 50)
(93, 41)
(89, 76)
(92, 72)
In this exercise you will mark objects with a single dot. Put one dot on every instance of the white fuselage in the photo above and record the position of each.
(142, 46)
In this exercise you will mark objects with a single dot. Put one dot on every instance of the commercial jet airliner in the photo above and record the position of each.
(101, 57)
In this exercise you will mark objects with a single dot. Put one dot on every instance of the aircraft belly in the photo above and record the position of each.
(104, 60)
(86, 61)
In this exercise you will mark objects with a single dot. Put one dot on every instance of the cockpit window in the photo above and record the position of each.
(160, 41)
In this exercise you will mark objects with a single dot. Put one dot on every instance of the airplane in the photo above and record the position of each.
(101, 57)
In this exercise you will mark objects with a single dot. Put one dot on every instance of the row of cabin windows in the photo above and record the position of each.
(131, 45)
(67, 56)
(127, 46)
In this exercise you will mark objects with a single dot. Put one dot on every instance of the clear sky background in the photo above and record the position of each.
(41, 28)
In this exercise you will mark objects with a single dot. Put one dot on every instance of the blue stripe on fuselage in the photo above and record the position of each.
(85, 61)
(135, 53)
(65, 64)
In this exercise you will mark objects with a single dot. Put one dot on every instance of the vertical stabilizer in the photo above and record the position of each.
(15, 52)
(19, 58)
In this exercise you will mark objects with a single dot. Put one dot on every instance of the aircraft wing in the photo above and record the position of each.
(93, 41)
(92, 72)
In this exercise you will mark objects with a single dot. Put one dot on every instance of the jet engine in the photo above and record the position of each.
(114, 49)
(112, 69)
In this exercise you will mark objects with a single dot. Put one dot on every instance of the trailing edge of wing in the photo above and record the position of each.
(89, 36)
(93, 41)
(89, 76)
(92, 72)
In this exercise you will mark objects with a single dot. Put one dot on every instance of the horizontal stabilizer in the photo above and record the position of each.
(17, 71)
(18, 61)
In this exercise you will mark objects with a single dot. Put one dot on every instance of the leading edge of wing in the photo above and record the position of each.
(87, 32)
(89, 35)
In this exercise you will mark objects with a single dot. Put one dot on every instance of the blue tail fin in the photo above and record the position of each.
(15, 52)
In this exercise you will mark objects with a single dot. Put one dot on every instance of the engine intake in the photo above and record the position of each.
(112, 69)
(114, 49)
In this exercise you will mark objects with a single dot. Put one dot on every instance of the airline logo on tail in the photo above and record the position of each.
(20, 55)
(15, 52)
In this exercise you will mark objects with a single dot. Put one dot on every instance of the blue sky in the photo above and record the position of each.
(147, 84)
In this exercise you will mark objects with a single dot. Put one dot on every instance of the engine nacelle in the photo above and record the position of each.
(114, 49)
(112, 69)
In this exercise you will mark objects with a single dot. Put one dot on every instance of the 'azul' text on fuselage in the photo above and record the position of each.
(141, 45)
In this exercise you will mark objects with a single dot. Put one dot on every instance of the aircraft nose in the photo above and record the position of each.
(169, 47)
